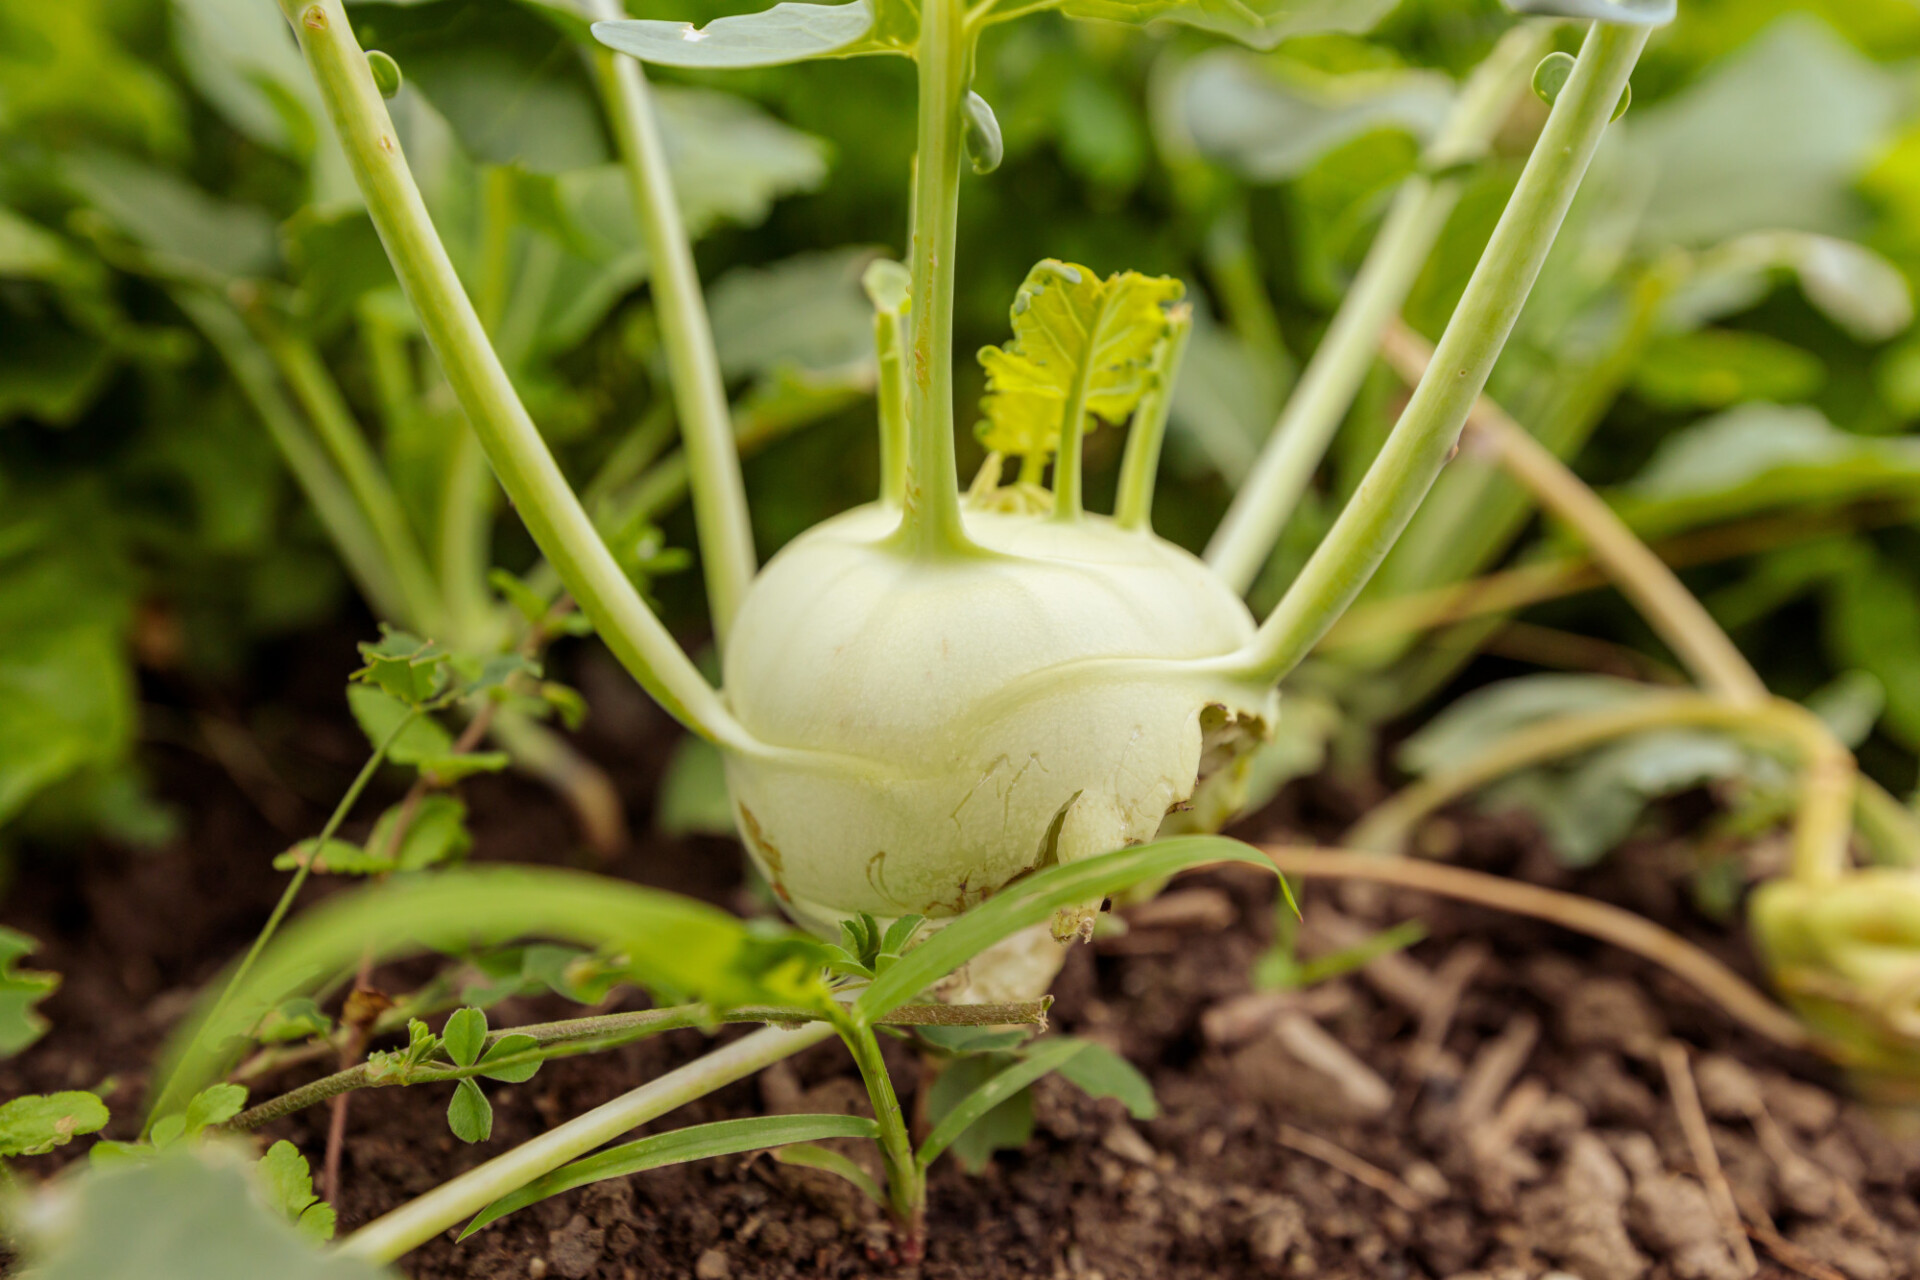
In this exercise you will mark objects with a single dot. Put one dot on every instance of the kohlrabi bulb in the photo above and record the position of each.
(936, 727)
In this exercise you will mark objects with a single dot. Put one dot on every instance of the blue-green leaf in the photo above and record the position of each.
(1102, 1073)
(1634, 13)
(788, 32)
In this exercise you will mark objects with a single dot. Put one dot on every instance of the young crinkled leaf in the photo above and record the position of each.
(1074, 336)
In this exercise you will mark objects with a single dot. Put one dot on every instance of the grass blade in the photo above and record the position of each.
(697, 1142)
(1048, 1056)
(1035, 899)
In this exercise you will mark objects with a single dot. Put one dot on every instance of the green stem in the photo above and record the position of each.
(719, 494)
(1280, 475)
(1140, 464)
(519, 455)
(1428, 430)
(391, 364)
(611, 1030)
(906, 1181)
(930, 521)
(327, 409)
(162, 1103)
(890, 342)
(419, 1220)
(1068, 461)
(1680, 619)
(332, 501)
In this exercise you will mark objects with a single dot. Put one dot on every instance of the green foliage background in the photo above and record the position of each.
(155, 148)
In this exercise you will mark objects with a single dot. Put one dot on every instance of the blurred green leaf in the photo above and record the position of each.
(1715, 368)
(37, 1123)
(693, 792)
(241, 57)
(1099, 1072)
(1006, 1126)
(679, 1146)
(1636, 13)
(788, 32)
(1872, 621)
(1269, 120)
(182, 226)
(1772, 138)
(178, 1215)
(1760, 457)
(1261, 24)
(286, 1181)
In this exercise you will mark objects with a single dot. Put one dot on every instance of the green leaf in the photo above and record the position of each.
(1715, 368)
(985, 146)
(453, 766)
(404, 666)
(286, 1181)
(295, 1019)
(1760, 457)
(214, 1105)
(1071, 327)
(1039, 1059)
(1262, 24)
(1034, 899)
(464, 1036)
(1632, 13)
(506, 1047)
(1102, 1073)
(239, 58)
(469, 1114)
(1872, 620)
(696, 1142)
(437, 834)
(1270, 121)
(1849, 283)
(807, 314)
(379, 714)
(509, 81)
(177, 1216)
(184, 228)
(37, 1123)
(1849, 705)
(808, 1156)
(1008, 1126)
(788, 32)
(20, 991)
(679, 948)
(1772, 138)
(335, 857)
(693, 792)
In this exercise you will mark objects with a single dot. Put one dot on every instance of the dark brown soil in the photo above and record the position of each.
(1491, 1103)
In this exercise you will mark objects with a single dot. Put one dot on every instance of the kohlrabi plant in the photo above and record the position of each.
(953, 724)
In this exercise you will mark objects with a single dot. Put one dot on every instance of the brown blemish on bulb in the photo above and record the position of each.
(768, 851)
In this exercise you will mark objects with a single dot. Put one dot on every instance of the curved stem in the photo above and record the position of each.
(1425, 436)
(609, 1031)
(416, 1222)
(930, 522)
(1681, 620)
(1140, 464)
(520, 458)
(1298, 441)
(1821, 827)
(699, 392)
(1734, 994)
(906, 1181)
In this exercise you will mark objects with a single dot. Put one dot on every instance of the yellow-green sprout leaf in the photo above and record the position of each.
(1072, 330)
